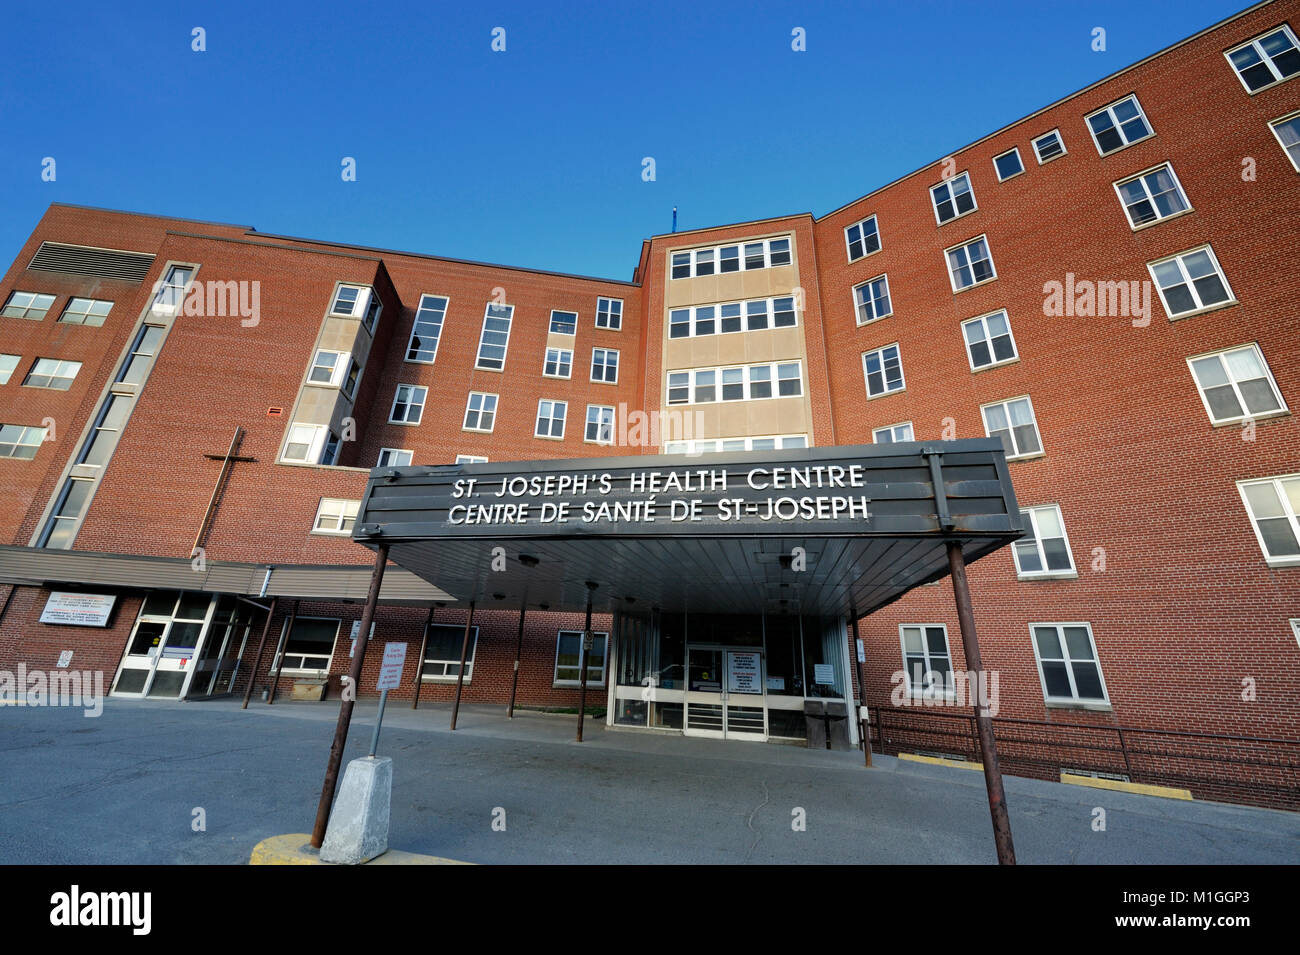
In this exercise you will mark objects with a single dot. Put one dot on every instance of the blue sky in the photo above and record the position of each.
(533, 156)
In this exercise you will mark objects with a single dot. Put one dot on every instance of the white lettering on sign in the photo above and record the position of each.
(390, 670)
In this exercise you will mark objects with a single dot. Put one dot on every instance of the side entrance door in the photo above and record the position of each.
(725, 693)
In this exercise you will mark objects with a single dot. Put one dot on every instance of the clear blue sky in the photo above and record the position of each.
(532, 156)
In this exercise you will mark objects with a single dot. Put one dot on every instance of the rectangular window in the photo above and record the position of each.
(112, 419)
(988, 340)
(884, 370)
(61, 529)
(559, 363)
(1118, 125)
(1013, 421)
(20, 441)
(775, 442)
(564, 323)
(427, 330)
(1008, 164)
(470, 459)
(442, 652)
(143, 352)
(1287, 131)
(604, 365)
(600, 424)
(893, 433)
(349, 386)
(871, 299)
(327, 368)
(681, 265)
(310, 645)
(393, 458)
(169, 292)
(704, 261)
(480, 411)
(778, 252)
(970, 263)
(496, 336)
(1048, 146)
(550, 418)
(755, 255)
(408, 404)
(863, 238)
(733, 384)
(1151, 196)
(1044, 551)
(783, 315)
(331, 453)
(706, 384)
(679, 387)
(756, 315)
(335, 516)
(52, 373)
(1190, 282)
(789, 382)
(926, 659)
(568, 661)
(679, 323)
(1067, 663)
(29, 305)
(1266, 60)
(1273, 505)
(305, 443)
(609, 313)
(356, 301)
(952, 198)
(7, 365)
(729, 258)
(85, 311)
(760, 381)
(1236, 384)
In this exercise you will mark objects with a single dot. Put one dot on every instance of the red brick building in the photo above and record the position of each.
(189, 412)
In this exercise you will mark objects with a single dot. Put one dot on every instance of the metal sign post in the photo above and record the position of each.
(390, 678)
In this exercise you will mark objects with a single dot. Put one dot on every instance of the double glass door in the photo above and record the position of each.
(725, 692)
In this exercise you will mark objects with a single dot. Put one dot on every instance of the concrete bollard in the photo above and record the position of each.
(358, 826)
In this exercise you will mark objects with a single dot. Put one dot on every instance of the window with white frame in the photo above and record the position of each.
(1190, 282)
(776, 442)
(564, 323)
(970, 264)
(20, 441)
(480, 411)
(604, 365)
(1067, 663)
(1151, 196)
(408, 404)
(85, 311)
(736, 383)
(1044, 551)
(752, 315)
(988, 340)
(309, 646)
(735, 257)
(29, 305)
(1048, 146)
(354, 301)
(305, 444)
(862, 238)
(1118, 125)
(427, 330)
(568, 658)
(442, 649)
(559, 363)
(609, 313)
(330, 455)
(893, 433)
(1287, 131)
(883, 368)
(1267, 59)
(169, 292)
(1008, 164)
(1273, 505)
(335, 516)
(1236, 384)
(927, 661)
(953, 198)
(550, 418)
(394, 458)
(600, 424)
(1013, 421)
(53, 373)
(328, 368)
(495, 337)
(871, 299)
(7, 365)
(349, 386)
(470, 459)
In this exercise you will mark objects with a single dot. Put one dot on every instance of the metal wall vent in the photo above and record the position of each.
(84, 260)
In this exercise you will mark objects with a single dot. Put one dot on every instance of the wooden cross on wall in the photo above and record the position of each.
(228, 461)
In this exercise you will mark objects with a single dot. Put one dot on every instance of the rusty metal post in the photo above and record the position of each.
(419, 664)
(460, 677)
(863, 722)
(983, 721)
(519, 649)
(279, 665)
(261, 646)
(587, 637)
(349, 699)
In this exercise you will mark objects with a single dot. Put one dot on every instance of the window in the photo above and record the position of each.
(1274, 508)
(496, 336)
(327, 368)
(349, 386)
(331, 453)
(1236, 384)
(789, 382)
(1013, 422)
(30, 305)
(604, 365)
(112, 418)
(52, 373)
(762, 254)
(893, 433)
(20, 441)
(310, 644)
(85, 311)
(1151, 196)
(1118, 125)
(970, 264)
(926, 660)
(988, 340)
(335, 516)
(1008, 164)
(7, 365)
(778, 251)
(1266, 60)
(729, 258)
(1044, 551)
(600, 424)
(169, 293)
(559, 363)
(952, 198)
(871, 299)
(143, 352)
(72, 503)
(442, 650)
(356, 301)
(427, 330)
(480, 411)
(1048, 146)
(305, 443)
(762, 443)
(564, 323)
(1067, 663)
(738, 383)
(609, 313)
(550, 418)
(393, 458)
(884, 370)
(754, 315)
(568, 661)
(1190, 282)
(1287, 131)
(470, 459)
(863, 238)
(408, 404)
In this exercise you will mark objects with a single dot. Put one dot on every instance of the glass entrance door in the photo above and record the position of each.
(160, 656)
(725, 693)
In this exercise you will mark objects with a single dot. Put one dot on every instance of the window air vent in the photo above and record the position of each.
(84, 260)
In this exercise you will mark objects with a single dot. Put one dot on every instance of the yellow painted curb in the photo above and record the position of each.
(1144, 789)
(940, 761)
(296, 849)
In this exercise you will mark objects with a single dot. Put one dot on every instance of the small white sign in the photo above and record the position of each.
(776, 683)
(824, 673)
(65, 659)
(356, 629)
(78, 610)
(390, 671)
(862, 652)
